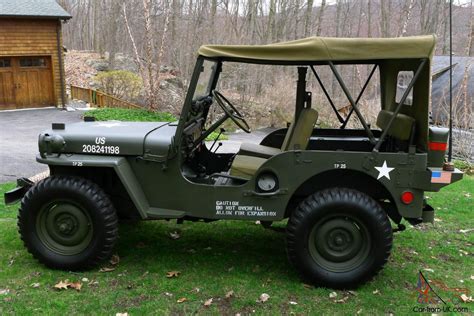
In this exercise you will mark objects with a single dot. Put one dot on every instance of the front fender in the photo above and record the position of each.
(118, 163)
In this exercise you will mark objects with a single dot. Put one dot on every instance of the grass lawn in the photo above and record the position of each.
(214, 259)
(131, 115)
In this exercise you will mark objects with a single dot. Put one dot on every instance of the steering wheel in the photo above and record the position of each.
(231, 111)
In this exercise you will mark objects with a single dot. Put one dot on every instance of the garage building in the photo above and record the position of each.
(31, 54)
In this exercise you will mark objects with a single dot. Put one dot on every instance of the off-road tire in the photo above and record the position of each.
(338, 214)
(87, 203)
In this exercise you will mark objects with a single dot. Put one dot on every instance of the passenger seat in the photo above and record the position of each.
(402, 127)
(252, 156)
(297, 137)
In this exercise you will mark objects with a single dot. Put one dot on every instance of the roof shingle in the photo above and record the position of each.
(32, 8)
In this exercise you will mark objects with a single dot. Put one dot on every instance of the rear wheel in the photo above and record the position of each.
(338, 238)
(68, 223)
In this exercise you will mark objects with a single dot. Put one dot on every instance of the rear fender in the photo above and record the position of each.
(352, 179)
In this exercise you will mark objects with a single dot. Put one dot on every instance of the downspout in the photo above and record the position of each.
(60, 60)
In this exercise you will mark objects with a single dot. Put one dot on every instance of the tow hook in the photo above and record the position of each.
(400, 228)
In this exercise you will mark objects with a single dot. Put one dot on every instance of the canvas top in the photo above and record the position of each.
(318, 49)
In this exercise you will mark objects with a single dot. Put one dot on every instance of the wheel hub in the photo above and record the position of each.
(64, 227)
(338, 243)
(339, 240)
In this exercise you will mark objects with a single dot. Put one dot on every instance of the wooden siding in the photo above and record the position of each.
(32, 37)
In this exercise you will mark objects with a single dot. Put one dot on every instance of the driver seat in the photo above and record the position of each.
(252, 156)
(297, 137)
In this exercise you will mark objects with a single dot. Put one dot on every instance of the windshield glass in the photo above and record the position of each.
(205, 79)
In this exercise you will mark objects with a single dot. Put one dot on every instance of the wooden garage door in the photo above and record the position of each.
(25, 82)
(7, 84)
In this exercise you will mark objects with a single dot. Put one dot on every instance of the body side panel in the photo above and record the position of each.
(165, 193)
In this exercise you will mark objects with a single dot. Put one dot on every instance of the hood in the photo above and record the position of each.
(103, 138)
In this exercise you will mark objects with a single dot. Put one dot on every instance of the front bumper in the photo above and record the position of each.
(13, 196)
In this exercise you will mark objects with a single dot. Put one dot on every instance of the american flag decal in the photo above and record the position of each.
(440, 177)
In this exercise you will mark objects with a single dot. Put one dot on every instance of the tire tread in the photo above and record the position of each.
(312, 202)
(92, 191)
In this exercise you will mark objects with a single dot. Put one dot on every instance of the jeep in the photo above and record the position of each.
(340, 189)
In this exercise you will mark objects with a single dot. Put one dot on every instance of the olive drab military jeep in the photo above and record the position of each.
(339, 188)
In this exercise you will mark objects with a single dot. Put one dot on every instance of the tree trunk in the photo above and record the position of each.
(369, 18)
(470, 45)
(407, 16)
(271, 29)
(308, 18)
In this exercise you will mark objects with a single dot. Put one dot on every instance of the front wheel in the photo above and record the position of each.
(338, 238)
(68, 223)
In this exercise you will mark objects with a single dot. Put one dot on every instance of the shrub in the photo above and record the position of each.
(121, 84)
(464, 166)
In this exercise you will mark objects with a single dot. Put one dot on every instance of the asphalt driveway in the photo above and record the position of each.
(19, 139)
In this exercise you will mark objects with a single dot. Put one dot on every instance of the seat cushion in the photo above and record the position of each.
(245, 166)
(299, 133)
(297, 137)
(401, 127)
(251, 149)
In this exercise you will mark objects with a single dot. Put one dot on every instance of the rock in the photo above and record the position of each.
(172, 93)
(175, 81)
(123, 62)
(98, 64)
(164, 68)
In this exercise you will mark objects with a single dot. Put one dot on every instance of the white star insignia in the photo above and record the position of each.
(110, 124)
(384, 171)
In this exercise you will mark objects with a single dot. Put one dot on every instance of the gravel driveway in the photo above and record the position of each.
(19, 139)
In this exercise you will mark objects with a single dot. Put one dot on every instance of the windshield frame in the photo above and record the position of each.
(187, 106)
(211, 80)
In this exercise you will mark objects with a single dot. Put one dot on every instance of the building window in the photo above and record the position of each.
(32, 62)
(5, 62)
(403, 80)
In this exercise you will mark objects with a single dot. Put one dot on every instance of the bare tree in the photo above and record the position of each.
(169, 32)
(470, 46)
(149, 67)
(407, 10)
(369, 18)
(385, 15)
(308, 17)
